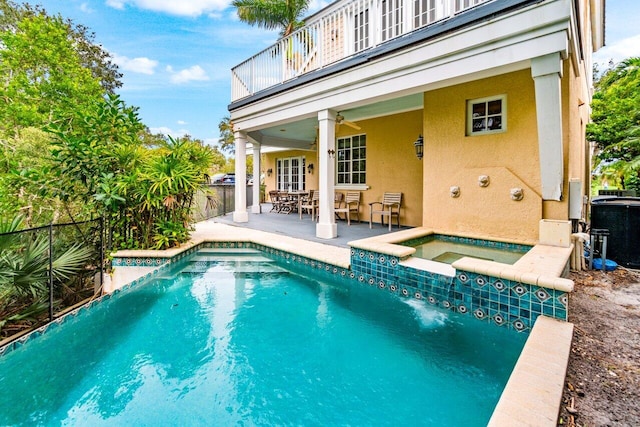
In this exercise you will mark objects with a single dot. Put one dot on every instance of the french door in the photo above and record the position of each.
(290, 174)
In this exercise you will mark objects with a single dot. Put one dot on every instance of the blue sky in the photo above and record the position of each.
(176, 55)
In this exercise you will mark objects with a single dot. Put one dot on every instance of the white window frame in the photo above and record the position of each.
(361, 30)
(287, 174)
(391, 19)
(486, 118)
(350, 185)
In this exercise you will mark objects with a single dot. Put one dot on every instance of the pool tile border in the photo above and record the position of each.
(506, 303)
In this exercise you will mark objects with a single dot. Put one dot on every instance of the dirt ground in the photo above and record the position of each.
(602, 387)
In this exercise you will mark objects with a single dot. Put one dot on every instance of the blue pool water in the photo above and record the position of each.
(237, 339)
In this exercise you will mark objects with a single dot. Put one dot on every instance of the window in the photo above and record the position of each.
(487, 115)
(361, 28)
(352, 160)
(427, 11)
(391, 19)
(461, 5)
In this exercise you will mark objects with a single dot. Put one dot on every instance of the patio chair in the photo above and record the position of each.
(338, 199)
(275, 201)
(310, 205)
(351, 206)
(389, 206)
(287, 204)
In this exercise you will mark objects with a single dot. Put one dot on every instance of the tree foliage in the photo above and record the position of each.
(273, 14)
(71, 149)
(615, 127)
(227, 139)
(616, 112)
(92, 56)
(41, 84)
(146, 191)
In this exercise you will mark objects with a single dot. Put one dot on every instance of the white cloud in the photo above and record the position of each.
(618, 51)
(136, 65)
(116, 4)
(174, 7)
(194, 73)
(85, 8)
(170, 132)
(182, 122)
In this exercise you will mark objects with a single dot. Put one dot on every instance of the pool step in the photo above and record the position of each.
(214, 268)
(229, 258)
(228, 251)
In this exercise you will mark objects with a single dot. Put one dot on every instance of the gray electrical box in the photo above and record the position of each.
(575, 199)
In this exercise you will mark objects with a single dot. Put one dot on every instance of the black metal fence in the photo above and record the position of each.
(217, 200)
(46, 271)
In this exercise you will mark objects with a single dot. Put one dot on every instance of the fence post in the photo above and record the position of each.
(102, 253)
(50, 272)
(224, 200)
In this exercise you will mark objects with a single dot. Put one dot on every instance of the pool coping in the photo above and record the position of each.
(533, 392)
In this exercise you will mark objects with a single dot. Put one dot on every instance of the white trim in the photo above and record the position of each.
(359, 187)
(240, 213)
(548, 90)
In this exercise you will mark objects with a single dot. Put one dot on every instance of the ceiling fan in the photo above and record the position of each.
(340, 120)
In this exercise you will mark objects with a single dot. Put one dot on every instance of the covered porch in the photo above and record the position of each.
(292, 226)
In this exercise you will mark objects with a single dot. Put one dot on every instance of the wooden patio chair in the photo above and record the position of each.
(287, 204)
(338, 199)
(389, 206)
(351, 206)
(310, 205)
(275, 201)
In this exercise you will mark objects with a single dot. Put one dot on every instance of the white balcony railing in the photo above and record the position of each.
(343, 31)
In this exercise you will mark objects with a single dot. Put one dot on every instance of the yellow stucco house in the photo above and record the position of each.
(499, 91)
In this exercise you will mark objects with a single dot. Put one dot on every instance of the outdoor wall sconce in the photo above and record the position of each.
(517, 194)
(454, 191)
(310, 168)
(269, 172)
(331, 153)
(483, 180)
(419, 146)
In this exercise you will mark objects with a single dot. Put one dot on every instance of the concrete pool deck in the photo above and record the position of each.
(533, 393)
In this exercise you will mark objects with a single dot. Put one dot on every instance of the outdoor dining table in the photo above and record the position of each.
(296, 198)
(291, 200)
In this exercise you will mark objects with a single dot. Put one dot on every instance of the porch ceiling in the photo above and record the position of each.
(301, 133)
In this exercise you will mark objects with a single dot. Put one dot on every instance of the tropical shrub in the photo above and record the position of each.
(25, 278)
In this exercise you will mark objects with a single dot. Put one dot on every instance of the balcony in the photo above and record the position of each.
(340, 31)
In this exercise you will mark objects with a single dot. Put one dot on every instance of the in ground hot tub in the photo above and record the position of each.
(448, 249)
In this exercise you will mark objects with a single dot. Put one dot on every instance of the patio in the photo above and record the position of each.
(291, 225)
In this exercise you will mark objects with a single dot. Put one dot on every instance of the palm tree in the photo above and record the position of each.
(273, 14)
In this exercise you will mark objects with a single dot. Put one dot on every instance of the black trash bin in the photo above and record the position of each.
(621, 216)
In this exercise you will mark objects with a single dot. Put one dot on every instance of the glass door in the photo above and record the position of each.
(290, 174)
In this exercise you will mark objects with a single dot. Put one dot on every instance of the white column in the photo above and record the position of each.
(240, 213)
(255, 208)
(326, 227)
(547, 74)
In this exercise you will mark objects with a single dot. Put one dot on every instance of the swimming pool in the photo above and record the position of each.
(448, 249)
(231, 337)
